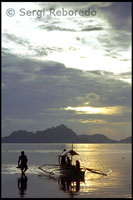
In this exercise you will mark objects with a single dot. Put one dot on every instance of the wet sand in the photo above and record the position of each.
(31, 186)
(38, 186)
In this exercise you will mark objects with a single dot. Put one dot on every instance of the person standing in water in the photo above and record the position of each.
(22, 162)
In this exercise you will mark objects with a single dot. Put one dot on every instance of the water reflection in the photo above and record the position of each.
(22, 185)
(93, 157)
(69, 185)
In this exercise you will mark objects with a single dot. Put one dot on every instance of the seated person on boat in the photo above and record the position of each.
(68, 162)
(77, 165)
(62, 159)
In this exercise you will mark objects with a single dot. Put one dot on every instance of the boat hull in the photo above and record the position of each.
(73, 173)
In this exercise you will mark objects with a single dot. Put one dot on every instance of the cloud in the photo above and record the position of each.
(51, 63)
(11, 37)
(87, 37)
(73, 5)
(117, 38)
(36, 90)
(115, 42)
(25, 44)
(92, 29)
(53, 27)
(88, 99)
(70, 26)
(114, 110)
(119, 15)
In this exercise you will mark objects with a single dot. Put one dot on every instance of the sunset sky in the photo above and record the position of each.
(73, 70)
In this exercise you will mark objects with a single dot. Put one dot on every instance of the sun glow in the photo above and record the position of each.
(94, 110)
(97, 121)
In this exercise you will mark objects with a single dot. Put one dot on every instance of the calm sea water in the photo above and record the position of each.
(113, 159)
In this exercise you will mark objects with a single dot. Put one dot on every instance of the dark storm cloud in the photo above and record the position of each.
(40, 90)
(119, 15)
(118, 35)
(36, 84)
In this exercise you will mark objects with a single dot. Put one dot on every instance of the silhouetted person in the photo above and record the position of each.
(63, 159)
(77, 165)
(22, 185)
(22, 162)
(69, 162)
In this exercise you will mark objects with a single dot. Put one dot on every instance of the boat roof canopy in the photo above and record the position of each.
(71, 152)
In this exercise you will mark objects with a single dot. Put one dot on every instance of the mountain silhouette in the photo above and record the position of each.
(59, 134)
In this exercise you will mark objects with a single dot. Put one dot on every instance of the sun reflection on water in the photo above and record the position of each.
(113, 159)
(91, 156)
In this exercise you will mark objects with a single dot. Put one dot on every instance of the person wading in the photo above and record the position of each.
(22, 162)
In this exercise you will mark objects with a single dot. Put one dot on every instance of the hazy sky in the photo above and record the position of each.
(67, 63)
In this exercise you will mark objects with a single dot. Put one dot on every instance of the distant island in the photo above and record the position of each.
(59, 134)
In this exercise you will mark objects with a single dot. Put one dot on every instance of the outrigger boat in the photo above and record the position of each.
(71, 170)
(63, 169)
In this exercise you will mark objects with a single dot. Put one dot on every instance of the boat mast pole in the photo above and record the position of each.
(71, 155)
